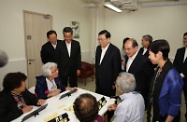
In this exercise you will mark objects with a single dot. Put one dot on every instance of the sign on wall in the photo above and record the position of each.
(76, 29)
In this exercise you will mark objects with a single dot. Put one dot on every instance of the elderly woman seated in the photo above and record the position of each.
(15, 99)
(49, 84)
(86, 108)
(132, 107)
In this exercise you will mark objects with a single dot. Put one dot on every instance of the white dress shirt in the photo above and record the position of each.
(54, 45)
(185, 54)
(130, 60)
(51, 85)
(68, 45)
(103, 52)
(144, 50)
(131, 109)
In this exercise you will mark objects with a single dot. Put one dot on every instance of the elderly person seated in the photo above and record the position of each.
(49, 84)
(131, 108)
(86, 108)
(15, 99)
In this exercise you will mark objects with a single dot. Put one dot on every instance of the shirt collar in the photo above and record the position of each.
(133, 57)
(50, 80)
(68, 43)
(105, 48)
(127, 95)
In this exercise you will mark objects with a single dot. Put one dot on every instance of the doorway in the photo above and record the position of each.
(36, 26)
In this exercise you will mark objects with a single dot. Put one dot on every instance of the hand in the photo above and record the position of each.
(71, 88)
(55, 92)
(78, 72)
(123, 63)
(27, 109)
(113, 86)
(112, 107)
(40, 102)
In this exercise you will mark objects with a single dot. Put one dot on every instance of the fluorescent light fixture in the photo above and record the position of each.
(111, 6)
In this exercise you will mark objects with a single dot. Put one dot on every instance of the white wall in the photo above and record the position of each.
(12, 26)
(168, 23)
(163, 22)
(63, 11)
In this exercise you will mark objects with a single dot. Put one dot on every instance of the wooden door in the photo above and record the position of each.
(36, 26)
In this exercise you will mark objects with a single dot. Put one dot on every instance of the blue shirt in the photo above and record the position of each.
(131, 109)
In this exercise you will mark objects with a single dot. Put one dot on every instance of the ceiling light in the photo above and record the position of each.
(111, 6)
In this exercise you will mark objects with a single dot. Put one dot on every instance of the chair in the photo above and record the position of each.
(87, 70)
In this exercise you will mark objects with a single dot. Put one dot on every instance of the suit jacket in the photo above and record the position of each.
(71, 63)
(170, 95)
(146, 54)
(167, 91)
(178, 62)
(8, 105)
(141, 52)
(143, 71)
(42, 89)
(49, 54)
(109, 69)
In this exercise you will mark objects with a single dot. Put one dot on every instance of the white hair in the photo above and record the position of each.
(127, 82)
(46, 68)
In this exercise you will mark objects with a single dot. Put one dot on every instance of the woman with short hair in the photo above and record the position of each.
(15, 99)
(49, 84)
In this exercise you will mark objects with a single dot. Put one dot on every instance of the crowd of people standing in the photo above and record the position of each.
(144, 77)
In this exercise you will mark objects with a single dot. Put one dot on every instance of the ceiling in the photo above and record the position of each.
(137, 4)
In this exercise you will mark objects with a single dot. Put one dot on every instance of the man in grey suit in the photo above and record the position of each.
(108, 65)
(180, 63)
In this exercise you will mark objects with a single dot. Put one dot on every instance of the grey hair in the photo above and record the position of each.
(148, 38)
(127, 82)
(46, 68)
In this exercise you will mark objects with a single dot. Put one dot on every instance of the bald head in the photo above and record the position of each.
(86, 107)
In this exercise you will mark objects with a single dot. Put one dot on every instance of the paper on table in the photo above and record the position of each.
(70, 109)
(46, 119)
(62, 106)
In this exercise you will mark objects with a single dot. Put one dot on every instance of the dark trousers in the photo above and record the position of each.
(71, 77)
(149, 107)
(109, 93)
(106, 92)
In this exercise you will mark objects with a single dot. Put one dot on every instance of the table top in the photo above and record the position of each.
(57, 107)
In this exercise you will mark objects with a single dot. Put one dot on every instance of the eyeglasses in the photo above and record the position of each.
(101, 39)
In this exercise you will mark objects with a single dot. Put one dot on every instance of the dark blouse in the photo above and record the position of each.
(9, 106)
(158, 86)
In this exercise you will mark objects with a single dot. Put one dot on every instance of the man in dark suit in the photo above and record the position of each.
(146, 41)
(50, 50)
(108, 65)
(140, 67)
(180, 63)
(70, 59)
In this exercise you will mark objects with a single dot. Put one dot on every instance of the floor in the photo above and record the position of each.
(90, 85)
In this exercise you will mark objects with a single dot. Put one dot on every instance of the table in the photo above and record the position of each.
(57, 106)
